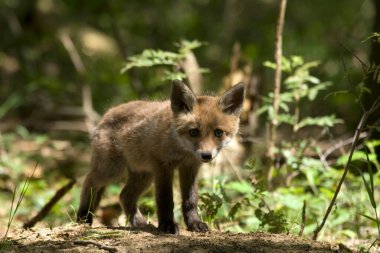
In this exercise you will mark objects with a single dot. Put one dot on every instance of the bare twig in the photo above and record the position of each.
(100, 246)
(46, 209)
(375, 106)
(354, 55)
(303, 218)
(277, 84)
(341, 144)
(91, 116)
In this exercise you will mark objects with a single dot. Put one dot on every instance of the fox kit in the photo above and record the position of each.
(148, 140)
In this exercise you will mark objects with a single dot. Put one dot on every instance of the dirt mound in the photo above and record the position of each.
(81, 238)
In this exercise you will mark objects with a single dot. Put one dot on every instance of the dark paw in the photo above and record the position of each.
(85, 219)
(197, 226)
(169, 227)
(84, 216)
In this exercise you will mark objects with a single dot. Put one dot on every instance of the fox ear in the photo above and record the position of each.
(231, 101)
(182, 98)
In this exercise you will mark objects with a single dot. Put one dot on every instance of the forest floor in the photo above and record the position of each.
(82, 238)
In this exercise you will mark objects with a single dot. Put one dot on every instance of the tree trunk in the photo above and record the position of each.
(372, 79)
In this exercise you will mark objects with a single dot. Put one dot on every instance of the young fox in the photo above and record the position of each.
(148, 140)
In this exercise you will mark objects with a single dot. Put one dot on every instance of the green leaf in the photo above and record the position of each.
(186, 46)
(324, 121)
(313, 91)
(169, 75)
(309, 65)
(358, 155)
(269, 64)
(296, 60)
(150, 57)
(370, 218)
(234, 209)
(286, 118)
(369, 185)
(11, 102)
(240, 186)
(313, 80)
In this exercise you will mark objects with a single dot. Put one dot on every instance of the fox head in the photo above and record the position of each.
(205, 124)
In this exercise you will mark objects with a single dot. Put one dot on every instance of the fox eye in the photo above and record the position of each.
(194, 132)
(218, 132)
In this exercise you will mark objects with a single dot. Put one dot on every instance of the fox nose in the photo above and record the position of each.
(206, 156)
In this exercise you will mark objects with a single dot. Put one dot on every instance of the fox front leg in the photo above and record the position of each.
(188, 181)
(165, 204)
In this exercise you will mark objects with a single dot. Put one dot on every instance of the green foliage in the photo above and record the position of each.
(300, 89)
(275, 220)
(151, 58)
(299, 85)
(239, 206)
(210, 205)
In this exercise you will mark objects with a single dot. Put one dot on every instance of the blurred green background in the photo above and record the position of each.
(50, 51)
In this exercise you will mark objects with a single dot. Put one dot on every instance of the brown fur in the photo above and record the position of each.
(148, 140)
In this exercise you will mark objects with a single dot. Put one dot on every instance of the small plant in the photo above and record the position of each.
(300, 87)
(14, 208)
(210, 206)
(240, 205)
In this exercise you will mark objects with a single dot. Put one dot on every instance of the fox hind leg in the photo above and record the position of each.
(90, 198)
(137, 183)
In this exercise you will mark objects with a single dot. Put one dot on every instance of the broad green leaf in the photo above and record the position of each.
(313, 80)
(296, 60)
(313, 91)
(269, 64)
(309, 65)
(240, 186)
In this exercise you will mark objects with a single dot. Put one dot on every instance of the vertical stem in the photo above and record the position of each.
(296, 112)
(277, 88)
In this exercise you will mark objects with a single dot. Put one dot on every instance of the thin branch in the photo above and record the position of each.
(277, 89)
(46, 209)
(340, 144)
(91, 116)
(356, 57)
(277, 79)
(303, 218)
(375, 106)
